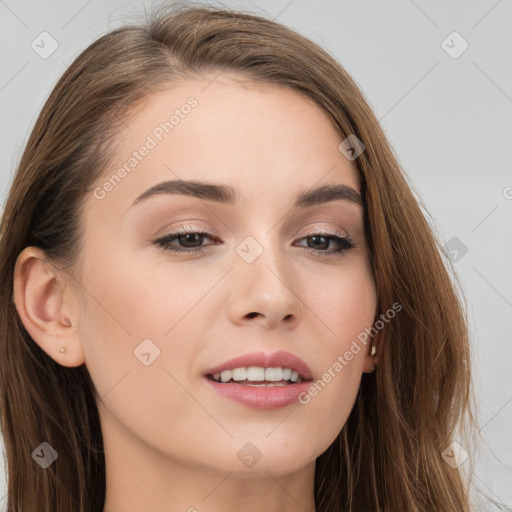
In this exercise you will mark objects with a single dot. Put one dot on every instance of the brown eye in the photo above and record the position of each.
(188, 241)
(319, 243)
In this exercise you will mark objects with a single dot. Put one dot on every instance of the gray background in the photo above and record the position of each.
(448, 120)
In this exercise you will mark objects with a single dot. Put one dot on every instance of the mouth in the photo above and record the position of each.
(261, 381)
(260, 369)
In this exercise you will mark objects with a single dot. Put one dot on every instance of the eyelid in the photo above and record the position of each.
(325, 230)
(189, 228)
(313, 230)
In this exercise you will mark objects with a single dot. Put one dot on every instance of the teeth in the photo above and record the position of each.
(239, 374)
(258, 373)
(255, 373)
(274, 374)
(226, 375)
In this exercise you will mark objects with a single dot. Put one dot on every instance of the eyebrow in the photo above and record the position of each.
(227, 195)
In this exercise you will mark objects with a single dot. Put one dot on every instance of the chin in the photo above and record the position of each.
(262, 457)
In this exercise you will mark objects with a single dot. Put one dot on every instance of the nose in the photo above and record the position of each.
(265, 291)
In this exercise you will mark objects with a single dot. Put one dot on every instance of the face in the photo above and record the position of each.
(254, 274)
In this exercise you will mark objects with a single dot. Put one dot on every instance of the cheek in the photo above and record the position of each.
(345, 303)
(152, 402)
(141, 301)
(132, 310)
(346, 307)
(117, 318)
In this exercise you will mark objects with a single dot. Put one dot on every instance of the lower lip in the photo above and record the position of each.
(264, 397)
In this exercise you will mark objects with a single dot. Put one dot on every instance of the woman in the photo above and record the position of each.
(218, 290)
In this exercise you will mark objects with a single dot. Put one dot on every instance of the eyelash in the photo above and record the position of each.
(163, 242)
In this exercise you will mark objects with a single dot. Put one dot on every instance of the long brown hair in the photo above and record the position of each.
(388, 456)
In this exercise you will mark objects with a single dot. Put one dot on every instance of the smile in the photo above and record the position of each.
(258, 376)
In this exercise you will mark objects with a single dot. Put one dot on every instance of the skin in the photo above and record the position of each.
(171, 443)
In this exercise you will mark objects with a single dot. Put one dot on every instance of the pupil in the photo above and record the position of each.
(191, 239)
(316, 238)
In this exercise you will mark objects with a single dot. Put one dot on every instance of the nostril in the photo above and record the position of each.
(251, 315)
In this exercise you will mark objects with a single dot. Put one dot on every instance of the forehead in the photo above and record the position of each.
(264, 140)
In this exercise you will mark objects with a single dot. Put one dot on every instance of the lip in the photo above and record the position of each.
(280, 358)
(266, 398)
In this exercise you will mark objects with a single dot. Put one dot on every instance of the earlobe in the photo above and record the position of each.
(47, 317)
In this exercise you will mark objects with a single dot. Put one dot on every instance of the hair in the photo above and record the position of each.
(388, 455)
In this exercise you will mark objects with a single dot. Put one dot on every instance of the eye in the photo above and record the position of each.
(188, 236)
(321, 241)
(190, 241)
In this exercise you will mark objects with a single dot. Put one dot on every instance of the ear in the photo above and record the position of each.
(39, 293)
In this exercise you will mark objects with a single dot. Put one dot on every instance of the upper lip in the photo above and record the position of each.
(280, 358)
